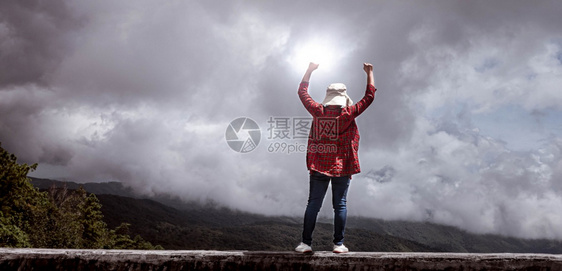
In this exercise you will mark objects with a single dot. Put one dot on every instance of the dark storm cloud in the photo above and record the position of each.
(34, 37)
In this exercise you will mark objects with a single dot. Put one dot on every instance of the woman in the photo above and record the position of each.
(331, 155)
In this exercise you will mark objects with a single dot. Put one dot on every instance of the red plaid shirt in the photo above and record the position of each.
(333, 140)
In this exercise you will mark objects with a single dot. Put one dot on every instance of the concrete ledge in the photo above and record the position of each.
(58, 259)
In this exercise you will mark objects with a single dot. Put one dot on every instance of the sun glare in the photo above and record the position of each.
(317, 51)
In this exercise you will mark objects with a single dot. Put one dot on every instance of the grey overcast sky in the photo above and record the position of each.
(465, 128)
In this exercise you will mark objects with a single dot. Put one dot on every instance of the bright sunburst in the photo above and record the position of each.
(318, 50)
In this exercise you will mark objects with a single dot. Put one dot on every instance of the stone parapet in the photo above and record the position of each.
(64, 259)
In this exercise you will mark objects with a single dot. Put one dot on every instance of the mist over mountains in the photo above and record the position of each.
(175, 224)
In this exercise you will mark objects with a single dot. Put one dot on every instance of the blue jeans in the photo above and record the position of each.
(318, 187)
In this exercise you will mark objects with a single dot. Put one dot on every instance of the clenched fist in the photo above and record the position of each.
(312, 66)
(367, 67)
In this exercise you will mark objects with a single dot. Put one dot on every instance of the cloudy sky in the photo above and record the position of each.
(465, 128)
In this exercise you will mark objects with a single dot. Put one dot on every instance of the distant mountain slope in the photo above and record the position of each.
(452, 239)
(175, 224)
(189, 229)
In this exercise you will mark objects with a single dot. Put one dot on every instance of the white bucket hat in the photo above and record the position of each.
(336, 95)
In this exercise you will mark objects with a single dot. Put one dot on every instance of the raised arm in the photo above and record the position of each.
(369, 96)
(311, 106)
(311, 68)
(368, 68)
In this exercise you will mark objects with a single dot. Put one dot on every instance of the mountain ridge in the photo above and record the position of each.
(175, 224)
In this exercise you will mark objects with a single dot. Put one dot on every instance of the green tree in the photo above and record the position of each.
(20, 202)
(95, 231)
(66, 225)
(11, 235)
(120, 239)
(57, 218)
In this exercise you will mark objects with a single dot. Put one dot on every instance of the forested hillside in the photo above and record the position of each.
(55, 218)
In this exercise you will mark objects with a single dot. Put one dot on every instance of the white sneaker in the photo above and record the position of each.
(303, 248)
(340, 249)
